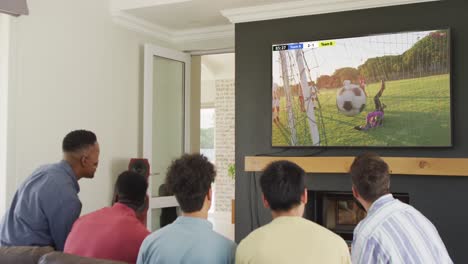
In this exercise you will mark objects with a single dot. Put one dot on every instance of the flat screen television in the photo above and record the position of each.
(385, 90)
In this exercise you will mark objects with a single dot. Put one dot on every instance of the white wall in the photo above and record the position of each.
(4, 40)
(74, 68)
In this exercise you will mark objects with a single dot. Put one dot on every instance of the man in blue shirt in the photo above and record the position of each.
(392, 232)
(46, 204)
(190, 239)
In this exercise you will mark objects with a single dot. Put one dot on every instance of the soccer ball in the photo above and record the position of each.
(350, 99)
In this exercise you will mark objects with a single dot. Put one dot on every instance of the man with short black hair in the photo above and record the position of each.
(289, 238)
(190, 239)
(46, 204)
(392, 232)
(114, 233)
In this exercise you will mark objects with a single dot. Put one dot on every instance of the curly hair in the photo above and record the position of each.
(283, 183)
(78, 140)
(189, 178)
(371, 176)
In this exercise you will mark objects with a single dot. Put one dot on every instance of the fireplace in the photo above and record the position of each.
(338, 211)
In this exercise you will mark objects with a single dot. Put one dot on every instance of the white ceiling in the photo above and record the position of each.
(208, 24)
(215, 67)
(194, 14)
(218, 66)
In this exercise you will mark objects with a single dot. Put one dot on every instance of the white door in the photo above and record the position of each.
(165, 123)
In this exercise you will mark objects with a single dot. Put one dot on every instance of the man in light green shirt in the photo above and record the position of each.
(289, 238)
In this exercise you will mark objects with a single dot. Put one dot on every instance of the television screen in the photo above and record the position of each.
(386, 90)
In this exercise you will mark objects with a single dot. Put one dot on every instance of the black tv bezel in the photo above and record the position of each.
(451, 145)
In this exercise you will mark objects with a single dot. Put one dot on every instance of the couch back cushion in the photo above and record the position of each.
(22, 255)
(63, 258)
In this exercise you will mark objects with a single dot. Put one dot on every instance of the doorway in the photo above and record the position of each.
(217, 121)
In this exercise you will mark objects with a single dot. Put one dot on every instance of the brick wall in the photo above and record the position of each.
(224, 143)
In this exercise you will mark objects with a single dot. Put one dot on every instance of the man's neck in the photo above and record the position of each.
(296, 211)
(202, 213)
(198, 214)
(367, 205)
(129, 205)
(73, 164)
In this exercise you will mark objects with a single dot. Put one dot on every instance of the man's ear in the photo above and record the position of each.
(209, 194)
(83, 161)
(115, 198)
(355, 192)
(146, 204)
(265, 202)
(304, 198)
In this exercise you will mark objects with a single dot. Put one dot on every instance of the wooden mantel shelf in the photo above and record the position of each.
(398, 165)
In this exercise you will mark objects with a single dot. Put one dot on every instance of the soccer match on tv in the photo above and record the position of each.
(385, 90)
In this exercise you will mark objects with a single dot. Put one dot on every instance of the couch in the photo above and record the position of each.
(44, 255)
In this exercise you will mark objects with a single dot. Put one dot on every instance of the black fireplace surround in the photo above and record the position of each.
(338, 211)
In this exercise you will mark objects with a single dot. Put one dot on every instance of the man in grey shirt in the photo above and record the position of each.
(46, 204)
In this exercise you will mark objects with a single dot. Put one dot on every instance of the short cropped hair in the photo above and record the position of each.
(78, 140)
(283, 184)
(370, 176)
(131, 188)
(189, 178)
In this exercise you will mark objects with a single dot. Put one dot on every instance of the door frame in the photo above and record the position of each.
(149, 52)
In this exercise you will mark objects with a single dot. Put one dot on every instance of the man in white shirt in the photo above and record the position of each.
(392, 232)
